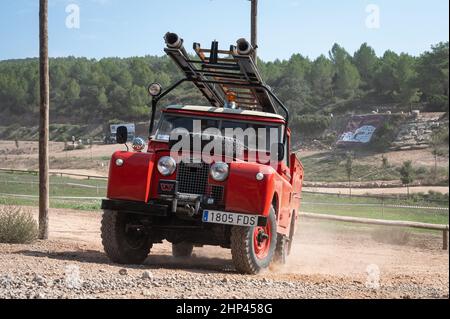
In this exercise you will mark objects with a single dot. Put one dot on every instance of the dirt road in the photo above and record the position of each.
(328, 262)
(30, 150)
(88, 161)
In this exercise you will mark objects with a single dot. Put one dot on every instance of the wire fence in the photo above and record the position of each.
(61, 174)
(21, 186)
(384, 207)
(62, 186)
(432, 208)
(401, 198)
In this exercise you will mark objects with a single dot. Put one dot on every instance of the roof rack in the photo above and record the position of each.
(215, 72)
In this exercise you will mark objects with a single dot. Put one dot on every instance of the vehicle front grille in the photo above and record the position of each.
(193, 178)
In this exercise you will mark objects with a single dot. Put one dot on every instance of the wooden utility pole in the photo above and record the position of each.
(43, 120)
(254, 29)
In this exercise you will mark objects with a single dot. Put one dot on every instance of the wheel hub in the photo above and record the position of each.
(261, 241)
(135, 235)
(262, 236)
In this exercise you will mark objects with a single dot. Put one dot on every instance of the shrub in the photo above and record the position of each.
(438, 103)
(383, 137)
(311, 124)
(437, 196)
(71, 147)
(17, 226)
(421, 172)
(431, 196)
(330, 139)
(440, 137)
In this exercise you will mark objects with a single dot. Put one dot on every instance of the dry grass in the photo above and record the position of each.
(17, 225)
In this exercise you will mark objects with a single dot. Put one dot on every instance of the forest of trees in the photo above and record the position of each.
(95, 91)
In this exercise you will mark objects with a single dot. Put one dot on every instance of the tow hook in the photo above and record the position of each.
(262, 236)
(190, 210)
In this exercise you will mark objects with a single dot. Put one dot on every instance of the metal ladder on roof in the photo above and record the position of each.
(216, 72)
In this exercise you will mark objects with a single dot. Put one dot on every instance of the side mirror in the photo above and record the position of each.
(122, 135)
(279, 148)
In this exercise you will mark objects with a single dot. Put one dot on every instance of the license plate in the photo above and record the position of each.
(216, 217)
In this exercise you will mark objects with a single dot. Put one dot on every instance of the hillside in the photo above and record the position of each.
(328, 98)
(97, 91)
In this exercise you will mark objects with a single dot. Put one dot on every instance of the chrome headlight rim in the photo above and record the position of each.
(219, 171)
(138, 144)
(167, 165)
(154, 89)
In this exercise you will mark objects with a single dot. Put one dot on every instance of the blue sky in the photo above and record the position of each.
(136, 27)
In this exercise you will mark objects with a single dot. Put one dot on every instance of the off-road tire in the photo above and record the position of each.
(291, 234)
(115, 242)
(242, 248)
(281, 251)
(182, 250)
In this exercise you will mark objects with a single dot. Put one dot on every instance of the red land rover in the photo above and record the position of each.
(229, 195)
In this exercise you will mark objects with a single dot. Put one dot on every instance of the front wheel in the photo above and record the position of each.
(124, 241)
(253, 248)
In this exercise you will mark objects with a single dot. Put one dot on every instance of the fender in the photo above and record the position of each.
(283, 191)
(131, 181)
(247, 195)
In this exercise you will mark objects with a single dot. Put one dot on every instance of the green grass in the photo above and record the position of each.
(414, 200)
(26, 184)
(406, 214)
(88, 205)
(352, 228)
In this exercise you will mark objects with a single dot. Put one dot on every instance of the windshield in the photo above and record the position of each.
(253, 135)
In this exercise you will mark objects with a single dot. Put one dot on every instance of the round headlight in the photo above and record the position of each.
(138, 144)
(155, 89)
(167, 165)
(219, 171)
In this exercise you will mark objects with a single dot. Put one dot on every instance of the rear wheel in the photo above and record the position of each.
(253, 248)
(291, 233)
(282, 250)
(124, 239)
(182, 250)
(284, 244)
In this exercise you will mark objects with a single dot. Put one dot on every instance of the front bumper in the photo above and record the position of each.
(151, 208)
(157, 209)
(167, 204)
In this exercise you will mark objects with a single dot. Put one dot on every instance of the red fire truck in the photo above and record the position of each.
(237, 202)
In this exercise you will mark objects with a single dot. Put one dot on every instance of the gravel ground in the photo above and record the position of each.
(327, 263)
